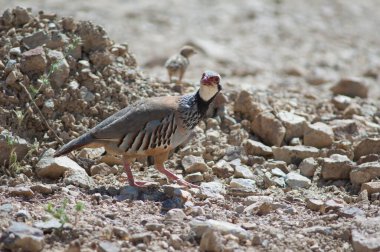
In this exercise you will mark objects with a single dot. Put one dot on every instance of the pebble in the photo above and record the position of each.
(175, 241)
(21, 191)
(103, 169)
(175, 215)
(336, 167)
(269, 129)
(256, 148)
(193, 164)
(318, 135)
(200, 227)
(33, 62)
(245, 184)
(153, 226)
(223, 169)
(242, 171)
(106, 246)
(351, 87)
(211, 190)
(294, 154)
(38, 38)
(341, 102)
(194, 177)
(211, 241)
(7, 208)
(20, 146)
(314, 204)
(365, 172)
(145, 237)
(350, 212)
(42, 188)
(20, 236)
(295, 180)
(49, 225)
(293, 123)
(308, 166)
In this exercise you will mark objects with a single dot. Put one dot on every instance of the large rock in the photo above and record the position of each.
(294, 154)
(318, 135)
(93, 36)
(365, 172)
(336, 167)
(351, 87)
(366, 234)
(256, 148)
(268, 128)
(53, 168)
(21, 16)
(366, 147)
(308, 166)
(193, 164)
(295, 180)
(200, 227)
(246, 105)
(21, 237)
(33, 62)
(9, 142)
(293, 123)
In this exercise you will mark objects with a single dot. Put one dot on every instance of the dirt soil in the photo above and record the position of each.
(290, 161)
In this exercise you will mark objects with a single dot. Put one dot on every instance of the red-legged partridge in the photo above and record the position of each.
(177, 64)
(151, 127)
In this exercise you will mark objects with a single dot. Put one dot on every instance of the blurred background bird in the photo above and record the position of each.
(177, 64)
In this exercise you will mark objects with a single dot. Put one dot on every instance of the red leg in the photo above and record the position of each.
(130, 177)
(172, 177)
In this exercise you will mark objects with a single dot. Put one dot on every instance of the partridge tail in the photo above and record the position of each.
(74, 144)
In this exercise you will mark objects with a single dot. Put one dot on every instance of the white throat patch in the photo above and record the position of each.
(207, 92)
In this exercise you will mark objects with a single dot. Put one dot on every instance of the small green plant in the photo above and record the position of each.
(59, 212)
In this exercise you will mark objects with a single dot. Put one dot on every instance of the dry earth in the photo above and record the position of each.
(290, 164)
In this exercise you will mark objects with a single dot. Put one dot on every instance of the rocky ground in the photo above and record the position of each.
(292, 167)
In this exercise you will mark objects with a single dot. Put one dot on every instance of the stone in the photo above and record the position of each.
(293, 123)
(211, 241)
(350, 212)
(57, 40)
(351, 87)
(223, 169)
(145, 237)
(212, 189)
(21, 191)
(268, 128)
(242, 171)
(366, 234)
(103, 169)
(278, 172)
(308, 166)
(368, 158)
(245, 184)
(12, 78)
(371, 187)
(256, 148)
(246, 105)
(21, 16)
(295, 180)
(49, 225)
(200, 227)
(91, 153)
(152, 226)
(101, 59)
(318, 135)
(332, 205)
(38, 38)
(365, 172)
(273, 164)
(20, 236)
(193, 164)
(22, 215)
(341, 102)
(9, 142)
(60, 74)
(294, 154)
(106, 246)
(194, 177)
(366, 147)
(7, 207)
(93, 37)
(314, 204)
(175, 214)
(175, 241)
(336, 167)
(53, 168)
(345, 128)
(213, 135)
(237, 136)
(33, 62)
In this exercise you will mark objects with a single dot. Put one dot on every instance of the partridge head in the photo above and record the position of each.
(151, 127)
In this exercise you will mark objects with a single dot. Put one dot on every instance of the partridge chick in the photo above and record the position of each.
(177, 64)
(151, 127)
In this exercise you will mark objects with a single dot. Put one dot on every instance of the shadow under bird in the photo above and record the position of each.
(151, 127)
(177, 64)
